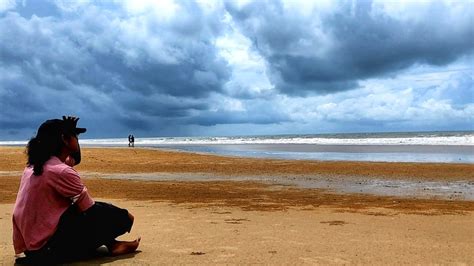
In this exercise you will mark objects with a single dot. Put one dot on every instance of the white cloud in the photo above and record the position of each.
(6, 5)
(249, 71)
(163, 9)
(386, 102)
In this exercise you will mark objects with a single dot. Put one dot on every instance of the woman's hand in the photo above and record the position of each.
(70, 161)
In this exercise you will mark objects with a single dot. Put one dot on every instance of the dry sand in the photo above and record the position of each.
(216, 222)
(171, 234)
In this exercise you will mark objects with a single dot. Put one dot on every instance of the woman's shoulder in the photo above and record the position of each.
(56, 166)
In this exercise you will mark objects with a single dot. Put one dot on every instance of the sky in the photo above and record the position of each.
(209, 68)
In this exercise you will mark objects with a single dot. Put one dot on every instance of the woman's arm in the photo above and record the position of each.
(69, 185)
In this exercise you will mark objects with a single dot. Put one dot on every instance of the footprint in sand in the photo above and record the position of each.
(236, 221)
(335, 222)
(197, 253)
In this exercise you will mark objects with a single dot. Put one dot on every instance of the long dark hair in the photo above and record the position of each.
(39, 150)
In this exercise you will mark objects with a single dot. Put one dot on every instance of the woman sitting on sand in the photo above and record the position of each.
(55, 219)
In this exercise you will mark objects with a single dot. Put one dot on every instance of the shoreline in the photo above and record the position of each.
(370, 153)
(348, 148)
(444, 154)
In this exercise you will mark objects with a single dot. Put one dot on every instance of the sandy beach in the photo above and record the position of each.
(205, 209)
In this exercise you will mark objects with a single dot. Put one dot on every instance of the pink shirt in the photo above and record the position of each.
(41, 201)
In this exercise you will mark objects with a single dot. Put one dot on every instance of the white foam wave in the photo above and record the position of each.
(452, 140)
(465, 140)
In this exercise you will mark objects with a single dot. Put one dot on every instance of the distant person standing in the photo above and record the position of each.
(129, 140)
(132, 140)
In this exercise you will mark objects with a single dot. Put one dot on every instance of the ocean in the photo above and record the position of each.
(439, 147)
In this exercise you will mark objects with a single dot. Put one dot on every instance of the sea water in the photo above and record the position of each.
(442, 147)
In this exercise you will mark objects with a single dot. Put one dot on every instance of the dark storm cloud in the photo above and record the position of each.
(102, 64)
(227, 117)
(163, 106)
(136, 123)
(333, 51)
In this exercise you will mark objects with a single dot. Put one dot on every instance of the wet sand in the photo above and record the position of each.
(124, 160)
(229, 219)
(326, 152)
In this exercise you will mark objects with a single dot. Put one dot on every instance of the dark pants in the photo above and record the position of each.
(80, 234)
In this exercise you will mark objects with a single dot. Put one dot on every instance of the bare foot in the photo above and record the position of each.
(123, 247)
